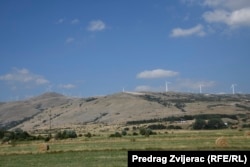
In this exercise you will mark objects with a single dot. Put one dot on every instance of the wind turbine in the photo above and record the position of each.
(167, 85)
(233, 87)
(200, 88)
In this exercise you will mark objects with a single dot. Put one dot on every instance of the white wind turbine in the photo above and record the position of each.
(167, 85)
(200, 88)
(233, 87)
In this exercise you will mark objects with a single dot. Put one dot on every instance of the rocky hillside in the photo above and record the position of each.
(58, 111)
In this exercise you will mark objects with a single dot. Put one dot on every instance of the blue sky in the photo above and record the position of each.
(96, 47)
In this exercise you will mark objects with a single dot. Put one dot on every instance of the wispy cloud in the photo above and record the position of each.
(179, 32)
(96, 25)
(157, 73)
(69, 40)
(227, 4)
(75, 21)
(67, 86)
(60, 21)
(23, 76)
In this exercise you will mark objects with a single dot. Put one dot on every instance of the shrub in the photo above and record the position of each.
(89, 135)
(126, 129)
(146, 131)
(246, 126)
(135, 134)
(1, 134)
(66, 134)
(174, 127)
(116, 134)
(158, 126)
(5, 139)
(124, 133)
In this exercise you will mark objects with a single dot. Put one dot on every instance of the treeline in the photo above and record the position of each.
(212, 123)
(20, 135)
(181, 118)
(160, 127)
(16, 135)
(66, 134)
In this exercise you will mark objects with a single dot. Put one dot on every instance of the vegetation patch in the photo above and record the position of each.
(181, 118)
(66, 134)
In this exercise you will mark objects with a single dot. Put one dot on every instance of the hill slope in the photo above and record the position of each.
(114, 109)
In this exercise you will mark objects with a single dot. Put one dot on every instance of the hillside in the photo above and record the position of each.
(117, 109)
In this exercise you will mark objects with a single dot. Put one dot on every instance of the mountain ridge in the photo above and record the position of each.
(59, 111)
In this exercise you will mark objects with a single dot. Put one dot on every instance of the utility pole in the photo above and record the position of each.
(49, 123)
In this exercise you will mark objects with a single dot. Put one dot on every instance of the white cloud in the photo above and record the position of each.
(75, 21)
(96, 25)
(41, 81)
(23, 76)
(60, 21)
(227, 4)
(67, 86)
(179, 32)
(157, 73)
(69, 40)
(234, 13)
(236, 18)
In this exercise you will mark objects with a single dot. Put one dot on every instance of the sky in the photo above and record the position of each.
(100, 47)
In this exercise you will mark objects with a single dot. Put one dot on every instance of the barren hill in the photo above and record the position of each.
(58, 111)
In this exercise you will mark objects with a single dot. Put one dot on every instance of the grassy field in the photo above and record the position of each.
(104, 151)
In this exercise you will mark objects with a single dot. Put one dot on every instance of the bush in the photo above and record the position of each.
(1, 134)
(88, 135)
(116, 134)
(246, 126)
(158, 126)
(146, 131)
(135, 134)
(66, 134)
(174, 127)
(124, 133)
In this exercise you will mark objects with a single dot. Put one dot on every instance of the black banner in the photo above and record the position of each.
(188, 158)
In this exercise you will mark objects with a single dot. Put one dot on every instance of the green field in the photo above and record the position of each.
(100, 150)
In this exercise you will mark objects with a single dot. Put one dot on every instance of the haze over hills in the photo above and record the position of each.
(115, 109)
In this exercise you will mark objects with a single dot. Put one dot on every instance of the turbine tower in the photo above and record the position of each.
(201, 88)
(233, 87)
(167, 86)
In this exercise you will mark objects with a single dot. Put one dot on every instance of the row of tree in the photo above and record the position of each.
(212, 123)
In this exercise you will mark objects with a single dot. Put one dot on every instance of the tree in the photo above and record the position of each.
(199, 124)
(215, 123)
(146, 131)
